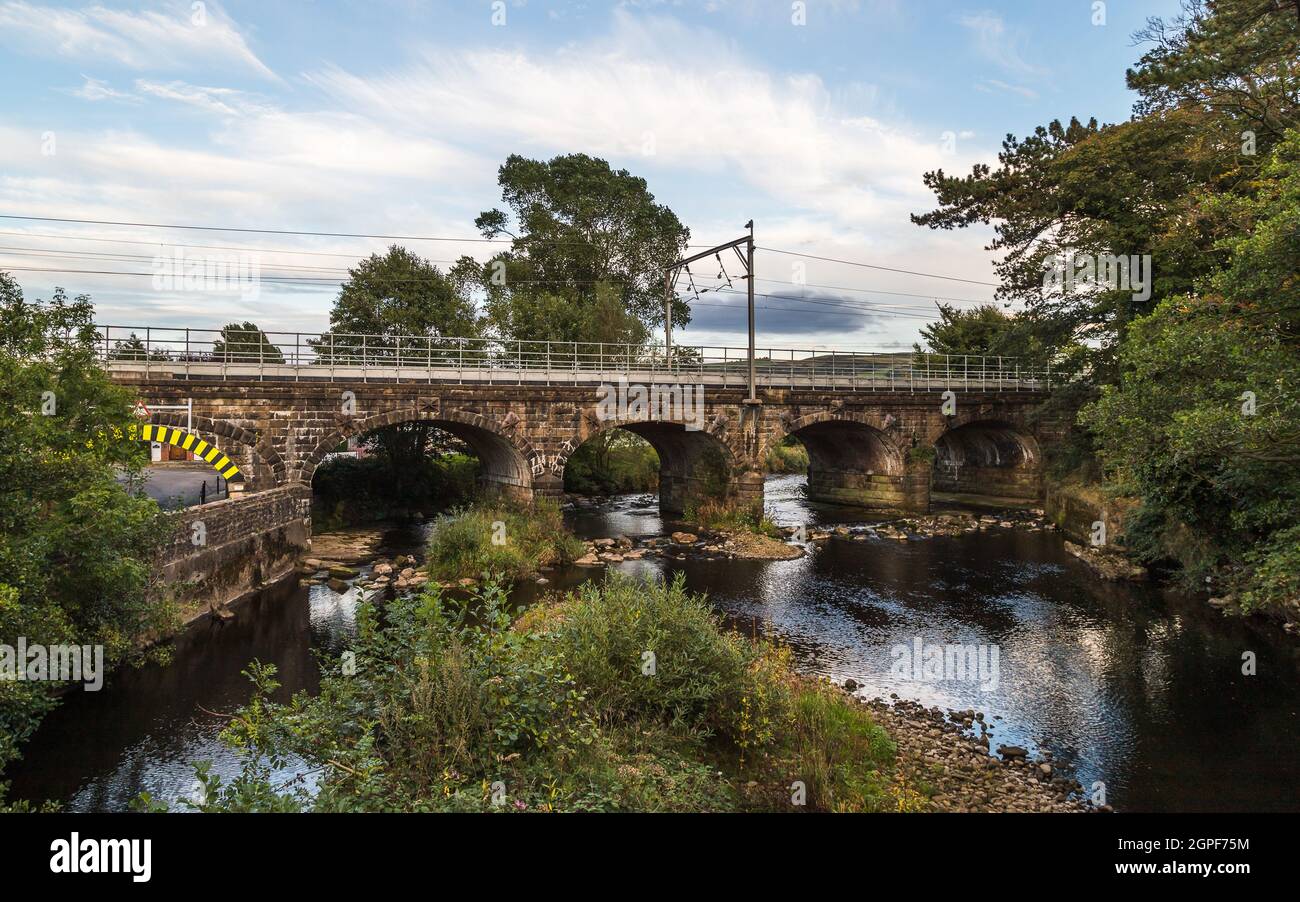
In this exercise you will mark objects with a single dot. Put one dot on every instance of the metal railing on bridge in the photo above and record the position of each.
(232, 354)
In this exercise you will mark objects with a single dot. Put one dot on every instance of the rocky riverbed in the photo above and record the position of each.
(935, 749)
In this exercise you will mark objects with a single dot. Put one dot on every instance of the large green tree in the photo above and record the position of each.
(1198, 383)
(1204, 425)
(398, 301)
(406, 308)
(75, 544)
(245, 342)
(589, 248)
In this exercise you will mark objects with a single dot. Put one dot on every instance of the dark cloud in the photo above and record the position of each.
(831, 314)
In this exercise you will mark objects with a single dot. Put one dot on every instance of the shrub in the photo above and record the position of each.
(497, 537)
(701, 673)
(787, 456)
(449, 698)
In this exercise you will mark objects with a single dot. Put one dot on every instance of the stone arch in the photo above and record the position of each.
(857, 458)
(259, 463)
(508, 462)
(989, 456)
(683, 474)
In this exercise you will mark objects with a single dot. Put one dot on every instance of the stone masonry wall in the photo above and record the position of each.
(227, 548)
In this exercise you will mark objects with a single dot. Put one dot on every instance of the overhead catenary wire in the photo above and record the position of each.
(445, 238)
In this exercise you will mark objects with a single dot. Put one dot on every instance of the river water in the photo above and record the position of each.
(1138, 688)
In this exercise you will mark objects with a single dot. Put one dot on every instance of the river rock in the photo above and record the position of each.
(337, 585)
(1012, 752)
(588, 560)
(341, 571)
(685, 538)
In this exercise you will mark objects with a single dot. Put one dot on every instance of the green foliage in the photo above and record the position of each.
(1205, 177)
(397, 294)
(730, 515)
(557, 709)
(347, 490)
(75, 544)
(590, 247)
(494, 537)
(245, 342)
(787, 456)
(983, 330)
(611, 463)
(832, 742)
(1215, 467)
(700, 671)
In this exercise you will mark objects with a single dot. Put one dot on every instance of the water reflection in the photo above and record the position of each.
(1137, 688)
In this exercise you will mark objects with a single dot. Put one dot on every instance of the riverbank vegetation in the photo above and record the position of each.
(614, 462)
(495, 537)
(1186, 380)
(626, 696)
(347, 490)
(76, 544)
(787, 456)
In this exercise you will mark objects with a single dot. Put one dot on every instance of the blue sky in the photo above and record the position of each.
(392, 117)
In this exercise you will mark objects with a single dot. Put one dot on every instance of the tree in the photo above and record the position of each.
(589, 250)
(388, 298)
(984, 330)
(1203, 425)
(395, 301)
(245, 342)
(75, 545)
(1222, 70)
(133, 348)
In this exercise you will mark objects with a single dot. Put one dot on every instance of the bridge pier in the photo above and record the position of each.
(908, 491)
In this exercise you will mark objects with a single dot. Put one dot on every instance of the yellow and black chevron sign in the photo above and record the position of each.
(190, 442)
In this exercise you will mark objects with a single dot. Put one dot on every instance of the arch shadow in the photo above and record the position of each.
(990, 458)
(508, 463)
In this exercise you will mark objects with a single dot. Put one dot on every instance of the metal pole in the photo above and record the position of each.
(749, 247)
(668, 314)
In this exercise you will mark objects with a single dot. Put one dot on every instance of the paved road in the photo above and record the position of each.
(178, 485)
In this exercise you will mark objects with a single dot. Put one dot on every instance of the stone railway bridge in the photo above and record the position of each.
(877, 443)
(870, 448)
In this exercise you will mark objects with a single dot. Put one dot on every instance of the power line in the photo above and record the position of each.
(385, 237)
(97, 256)
(305, 280)
(909, 272)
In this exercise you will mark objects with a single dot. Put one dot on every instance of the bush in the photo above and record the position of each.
(700, 672)
(787, 456)
(449, 698)
(728, 515)
(499, 538)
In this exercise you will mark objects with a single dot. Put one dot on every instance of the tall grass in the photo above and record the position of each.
(628, 695)
(496, 537)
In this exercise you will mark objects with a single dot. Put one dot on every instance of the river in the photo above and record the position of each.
(1133, 686)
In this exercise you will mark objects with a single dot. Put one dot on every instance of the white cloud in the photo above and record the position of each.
(999, 44)
(94, 89)
(989, 85)
(173, 37)
(414, 150)
(673, 97)
(225, 101)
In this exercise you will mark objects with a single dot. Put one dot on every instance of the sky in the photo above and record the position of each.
(391, 117)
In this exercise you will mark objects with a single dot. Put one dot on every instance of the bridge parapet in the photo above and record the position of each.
(151, 352)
